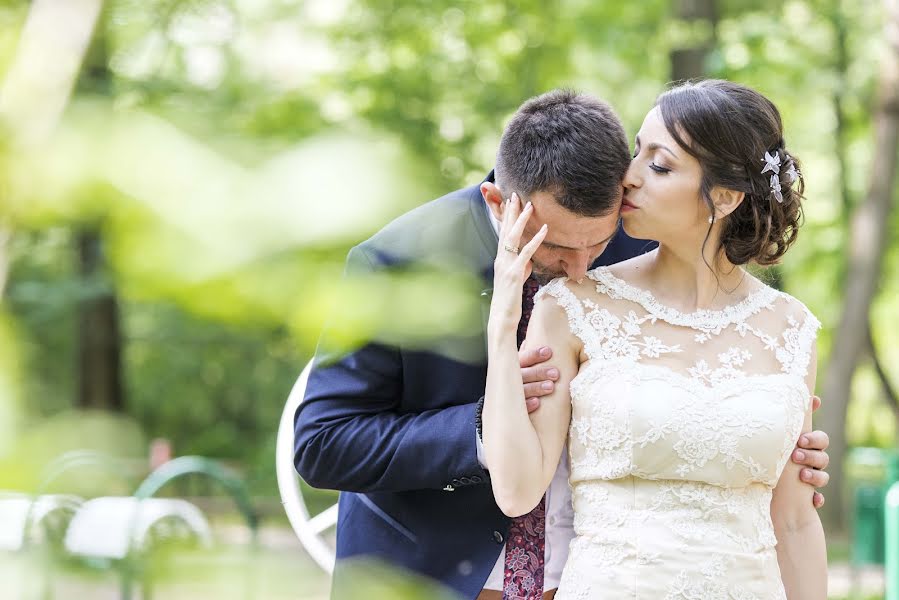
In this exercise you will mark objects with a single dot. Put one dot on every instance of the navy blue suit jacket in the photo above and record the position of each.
(393, 426)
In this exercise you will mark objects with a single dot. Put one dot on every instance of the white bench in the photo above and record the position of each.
(25, 519)
(111, 527)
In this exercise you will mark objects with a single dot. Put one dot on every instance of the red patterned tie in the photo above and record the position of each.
(526, 543)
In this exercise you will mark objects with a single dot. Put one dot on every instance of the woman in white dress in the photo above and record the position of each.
(685, 381)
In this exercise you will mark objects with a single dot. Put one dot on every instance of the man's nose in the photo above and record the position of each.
(576, 266)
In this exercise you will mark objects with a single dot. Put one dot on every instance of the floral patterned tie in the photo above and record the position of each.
(526, 542)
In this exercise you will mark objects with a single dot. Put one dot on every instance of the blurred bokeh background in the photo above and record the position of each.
(180, 181)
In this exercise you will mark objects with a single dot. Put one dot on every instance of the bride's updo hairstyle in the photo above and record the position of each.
(736, 134)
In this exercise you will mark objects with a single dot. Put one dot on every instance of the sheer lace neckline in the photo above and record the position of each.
(700, 319)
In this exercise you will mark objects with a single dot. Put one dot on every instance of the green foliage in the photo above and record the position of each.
(231, 165)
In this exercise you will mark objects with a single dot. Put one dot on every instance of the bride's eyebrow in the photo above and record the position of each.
(655, 146)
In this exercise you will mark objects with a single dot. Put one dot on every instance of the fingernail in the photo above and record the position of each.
(544, 352)
(514, 196)
(804, 440)
(544, 228)
(528, 205)
(806, 474)
(553, 372)
(800, 455)
(547, 385)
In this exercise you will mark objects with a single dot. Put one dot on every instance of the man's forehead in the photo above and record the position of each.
(576, 235)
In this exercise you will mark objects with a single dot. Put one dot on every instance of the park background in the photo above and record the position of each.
(180, 182)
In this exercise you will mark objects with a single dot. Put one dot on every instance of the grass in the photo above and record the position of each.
(278, 570)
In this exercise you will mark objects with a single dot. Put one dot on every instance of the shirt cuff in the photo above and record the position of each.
(480, 446)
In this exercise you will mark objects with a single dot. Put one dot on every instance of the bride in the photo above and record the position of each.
(685, 381)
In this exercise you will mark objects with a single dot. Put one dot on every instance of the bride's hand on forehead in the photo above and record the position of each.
(513, 263)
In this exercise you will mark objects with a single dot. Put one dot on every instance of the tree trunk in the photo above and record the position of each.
(5, 235)
(99, 332)
(689, 62)
(886, 386)
(41, 75)
(99, 338)
(841, 68)
(867, 243)
(46, 64)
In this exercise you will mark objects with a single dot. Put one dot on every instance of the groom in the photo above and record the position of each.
(393, 425)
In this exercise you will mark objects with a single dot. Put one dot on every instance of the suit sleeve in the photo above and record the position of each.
(350, 436)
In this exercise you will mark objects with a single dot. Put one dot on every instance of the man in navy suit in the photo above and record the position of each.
(393, 424)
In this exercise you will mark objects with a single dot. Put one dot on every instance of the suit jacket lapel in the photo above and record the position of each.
(486, 251)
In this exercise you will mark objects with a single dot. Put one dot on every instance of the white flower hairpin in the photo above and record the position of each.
(772, 163)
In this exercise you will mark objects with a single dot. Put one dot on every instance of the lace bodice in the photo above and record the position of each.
(681, 425)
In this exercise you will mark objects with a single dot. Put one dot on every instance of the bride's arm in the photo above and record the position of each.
(801, 551)
(522, 451)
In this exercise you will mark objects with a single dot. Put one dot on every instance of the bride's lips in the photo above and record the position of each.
(627, 206)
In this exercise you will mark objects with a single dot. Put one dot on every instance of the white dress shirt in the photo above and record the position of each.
(559, 516)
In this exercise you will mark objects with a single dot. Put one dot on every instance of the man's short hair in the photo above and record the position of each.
(570, 145)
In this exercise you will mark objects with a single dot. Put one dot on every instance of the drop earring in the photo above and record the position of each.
(711, 218)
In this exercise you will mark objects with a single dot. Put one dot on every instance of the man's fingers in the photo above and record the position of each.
(815, 459)
(816, 404)
(532, 404)
(533, 356)
(539, 388)
(814, 440)
(539, 373)
(814, 478)
(818, 499)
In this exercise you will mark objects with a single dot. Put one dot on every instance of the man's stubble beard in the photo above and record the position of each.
(543, 274)
(542, 278)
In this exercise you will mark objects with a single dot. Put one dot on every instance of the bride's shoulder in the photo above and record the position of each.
(791, 311)
(623, 280)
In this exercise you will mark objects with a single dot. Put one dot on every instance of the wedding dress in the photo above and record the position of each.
(681, 425)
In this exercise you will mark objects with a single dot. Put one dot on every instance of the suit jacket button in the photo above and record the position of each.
(498, 537)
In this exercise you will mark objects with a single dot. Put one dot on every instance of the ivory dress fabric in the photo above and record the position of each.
(681, 426)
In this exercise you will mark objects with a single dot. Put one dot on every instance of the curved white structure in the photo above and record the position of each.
(22, 515)
(111, 526)
(310, 530)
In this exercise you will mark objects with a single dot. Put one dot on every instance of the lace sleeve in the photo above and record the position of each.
(799, 338)
(577, 320)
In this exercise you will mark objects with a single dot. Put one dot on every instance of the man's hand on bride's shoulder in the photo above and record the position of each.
(538, 375)
(811, 453)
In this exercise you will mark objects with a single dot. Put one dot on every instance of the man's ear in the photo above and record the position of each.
(726, 201)
(494, 198)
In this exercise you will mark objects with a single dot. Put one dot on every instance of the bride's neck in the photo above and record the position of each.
(688, 283)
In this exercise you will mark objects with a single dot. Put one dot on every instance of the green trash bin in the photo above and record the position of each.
(871, 471)
(891, 568)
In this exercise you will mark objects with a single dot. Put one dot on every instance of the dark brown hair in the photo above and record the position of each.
(728, 128)
(570, 145)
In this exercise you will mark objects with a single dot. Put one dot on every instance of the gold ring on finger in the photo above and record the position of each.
(512, 249)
